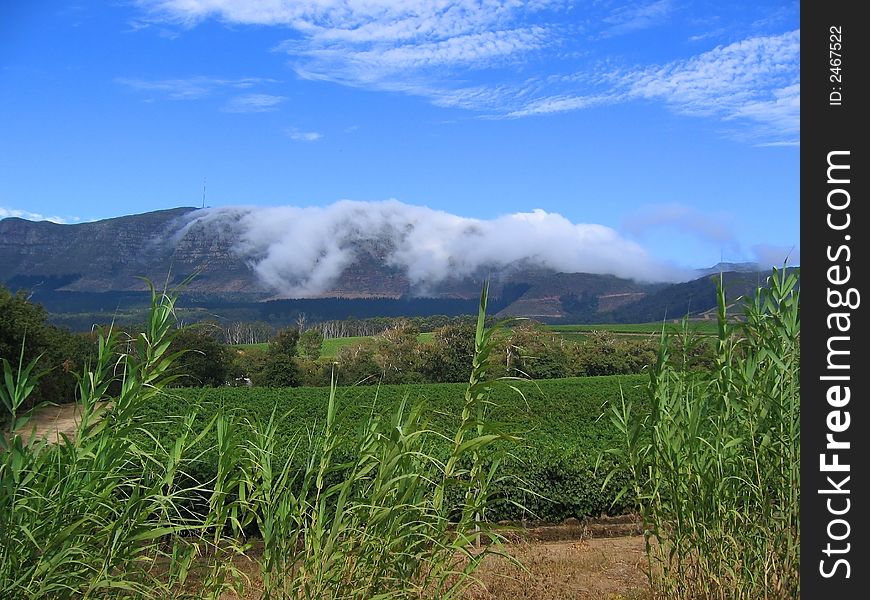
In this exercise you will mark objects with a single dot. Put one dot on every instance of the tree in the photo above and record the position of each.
(279, 368)
(63, 354)
(285, 342)
(247, 332)
(311, 344)
(357, 364)
(448, 357)
(535, 352)
(204, 362)
(604, 353)
(398, 353)
(247, 364)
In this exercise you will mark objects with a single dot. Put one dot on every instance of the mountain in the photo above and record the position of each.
(113, 254)
(96, 268)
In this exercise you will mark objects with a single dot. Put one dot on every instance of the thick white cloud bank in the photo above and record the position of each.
(301, 252)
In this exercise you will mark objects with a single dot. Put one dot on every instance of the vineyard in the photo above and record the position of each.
(562, 424)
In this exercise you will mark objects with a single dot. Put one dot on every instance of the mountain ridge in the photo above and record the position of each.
(90, 265)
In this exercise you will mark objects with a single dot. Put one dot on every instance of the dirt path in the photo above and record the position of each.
(50, 421)
(592, 569)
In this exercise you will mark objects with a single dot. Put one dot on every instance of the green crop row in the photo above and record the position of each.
(551, 471)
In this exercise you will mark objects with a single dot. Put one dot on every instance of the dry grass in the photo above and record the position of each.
(612, 568)
(594, 569)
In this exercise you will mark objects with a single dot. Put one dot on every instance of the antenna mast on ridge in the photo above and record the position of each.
(203, 192)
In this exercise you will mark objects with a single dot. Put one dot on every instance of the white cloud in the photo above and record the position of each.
(32, 216)
(303, 136)
(700, 37)
(302, 251)
(626, 19)
(191, 88)
(253, 103)
(383, 44)
(437, 49)
(475, 49)
(556, 104)
(756, 80)
(350, 20)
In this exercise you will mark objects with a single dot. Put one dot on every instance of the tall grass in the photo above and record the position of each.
(716, 462)
(370, 515)
(93, 516)
(116, 512)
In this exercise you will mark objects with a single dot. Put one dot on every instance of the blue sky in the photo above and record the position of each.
(673, 123)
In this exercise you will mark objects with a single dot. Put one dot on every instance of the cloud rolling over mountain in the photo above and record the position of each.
(302, 251)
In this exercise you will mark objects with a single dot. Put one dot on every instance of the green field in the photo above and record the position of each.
(562, 422)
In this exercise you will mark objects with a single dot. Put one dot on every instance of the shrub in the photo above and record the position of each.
(202, 360)
(311, 344)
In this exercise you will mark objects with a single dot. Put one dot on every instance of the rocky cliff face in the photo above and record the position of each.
(113, 254)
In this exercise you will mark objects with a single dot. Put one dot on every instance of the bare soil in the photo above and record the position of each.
(588, 569)
(50, 422)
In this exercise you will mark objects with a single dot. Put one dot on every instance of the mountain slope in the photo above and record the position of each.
(112, 254)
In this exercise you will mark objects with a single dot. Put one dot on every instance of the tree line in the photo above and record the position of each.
(394, 353)
(398, 355)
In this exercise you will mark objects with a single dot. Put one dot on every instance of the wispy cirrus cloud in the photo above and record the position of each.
(755, 80)
(376, 63)
(706, 35)
(725, 79)
(357, 21)
(303, 136)
(473, 55)
(253, 103)
(191, 88)
(566, 103)
(380, 43)
(626, 19)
